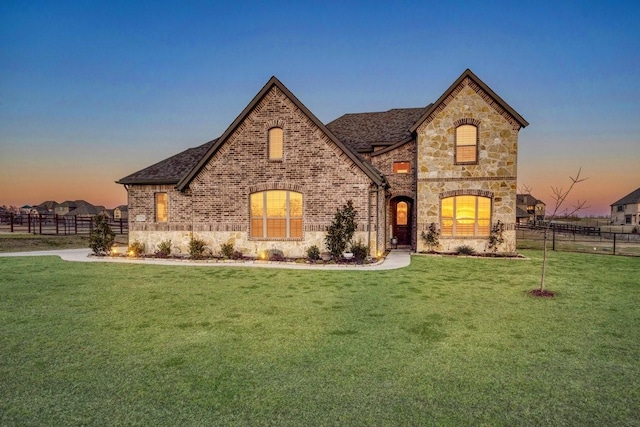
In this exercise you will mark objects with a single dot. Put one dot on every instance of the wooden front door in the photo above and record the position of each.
(402, 222)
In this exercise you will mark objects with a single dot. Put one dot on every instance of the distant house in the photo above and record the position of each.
(121, 212)
(529, 209)
(47, 207)
(276, 176)
(626, 211)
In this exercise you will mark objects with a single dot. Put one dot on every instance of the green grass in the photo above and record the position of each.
(446, 341)
(17, 242)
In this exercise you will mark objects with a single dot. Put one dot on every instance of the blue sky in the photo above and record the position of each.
(92, 91)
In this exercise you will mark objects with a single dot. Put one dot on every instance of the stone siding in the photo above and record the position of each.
(494, 174)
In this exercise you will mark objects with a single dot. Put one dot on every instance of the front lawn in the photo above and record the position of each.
(446, 341)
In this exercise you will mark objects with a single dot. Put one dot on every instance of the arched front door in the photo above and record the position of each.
(402, 214)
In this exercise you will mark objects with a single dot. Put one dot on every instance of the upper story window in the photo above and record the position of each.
(162, 207)
(465, 216)
(620, 208)
(401, 167)
(276, 214)
(276, 144)
(466, 144)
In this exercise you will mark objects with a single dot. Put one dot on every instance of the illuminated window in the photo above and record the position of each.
(162, 210)
(276, 214)
(401, 167)
(466, 144)
(275, 143)
(465, 216)
(402, 209)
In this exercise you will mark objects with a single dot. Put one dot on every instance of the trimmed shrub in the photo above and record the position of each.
(275, 255)
(102, 237)
(313, 253)
(340, 232)
(431, 237)
(164, 249)
(465, 250)
(360, 251)
(226, 249)
(136, 248)
(196, 248)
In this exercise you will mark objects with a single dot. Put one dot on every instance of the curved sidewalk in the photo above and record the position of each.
(394, 260)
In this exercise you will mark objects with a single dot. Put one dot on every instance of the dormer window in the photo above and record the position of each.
(276, 142)
(466, 144)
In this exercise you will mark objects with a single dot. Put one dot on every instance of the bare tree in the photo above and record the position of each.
(559, 196)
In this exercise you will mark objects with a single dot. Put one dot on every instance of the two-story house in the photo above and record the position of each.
(626, 211)
(275, 177)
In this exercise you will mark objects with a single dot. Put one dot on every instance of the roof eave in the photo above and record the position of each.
(468, 73)
(273, 81)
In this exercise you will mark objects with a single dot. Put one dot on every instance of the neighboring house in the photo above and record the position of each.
(47, 207)
(121, 212)
(626, 211)
(529, 209)
(275, 177)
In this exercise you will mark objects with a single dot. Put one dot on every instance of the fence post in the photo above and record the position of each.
(11, 221)
(614, 243)
(553, 247)
(75, 224)
(40, 224)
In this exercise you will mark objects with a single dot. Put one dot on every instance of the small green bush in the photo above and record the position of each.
(275, 255)
(196, 248)
(313, 253)
(226, 249)
(360, 251)
(164, 249)
(102, 237)
(465, 250)
(431, 239)
(136, 248)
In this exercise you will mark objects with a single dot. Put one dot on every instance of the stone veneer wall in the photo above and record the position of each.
(494, 175)
(216, 206)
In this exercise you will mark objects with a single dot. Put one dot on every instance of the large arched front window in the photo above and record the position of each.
(276, 214)
(465, 216)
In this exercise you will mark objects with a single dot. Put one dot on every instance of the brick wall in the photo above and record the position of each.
(216, 206)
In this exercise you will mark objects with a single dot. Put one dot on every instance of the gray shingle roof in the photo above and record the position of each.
(361, 131)
(171, 170)
(629, 199)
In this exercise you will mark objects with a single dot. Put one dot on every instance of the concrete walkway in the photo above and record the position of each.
(397, 258)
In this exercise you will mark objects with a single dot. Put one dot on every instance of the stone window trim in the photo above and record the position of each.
(467, 121)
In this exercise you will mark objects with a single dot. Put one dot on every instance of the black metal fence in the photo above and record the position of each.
(54, 224)
(579, 239)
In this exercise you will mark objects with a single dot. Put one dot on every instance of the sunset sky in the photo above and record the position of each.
(93, 91)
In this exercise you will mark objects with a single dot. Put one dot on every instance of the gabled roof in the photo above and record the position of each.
(630, 199)
(528, 199)
(371, 172)
(363, 131)
(171, 170)
(494, 96)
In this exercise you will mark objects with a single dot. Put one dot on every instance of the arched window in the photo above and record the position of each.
(276, 214)
(465, 216)
(402, 209)
(466, 144)
(276, 144)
